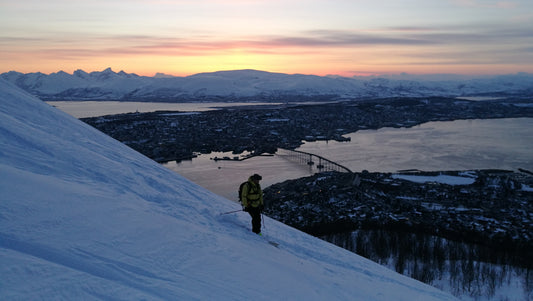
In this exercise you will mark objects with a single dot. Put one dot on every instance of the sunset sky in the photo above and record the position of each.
(343, 37)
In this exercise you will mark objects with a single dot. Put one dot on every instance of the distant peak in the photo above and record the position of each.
(80, 73)
(162, 75)
(238, 73)
(103, 75)
(128, 75)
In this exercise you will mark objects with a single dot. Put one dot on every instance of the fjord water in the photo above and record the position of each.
(451, 145)
(448, 145)
(82, 109)
(433, 146)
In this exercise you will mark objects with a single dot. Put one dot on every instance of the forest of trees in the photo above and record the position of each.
(461, 268)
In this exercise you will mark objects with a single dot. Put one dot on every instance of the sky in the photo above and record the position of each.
(321, 37)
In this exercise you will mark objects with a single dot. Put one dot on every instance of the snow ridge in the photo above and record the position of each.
(82, 216)
(108, 85)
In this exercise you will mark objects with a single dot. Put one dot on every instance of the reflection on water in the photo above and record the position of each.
(456, 145)
(223, 177)
(453, 145)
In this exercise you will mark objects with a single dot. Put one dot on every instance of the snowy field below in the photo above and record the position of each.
(444, 179)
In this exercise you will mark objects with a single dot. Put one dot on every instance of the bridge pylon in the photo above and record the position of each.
(309, 159)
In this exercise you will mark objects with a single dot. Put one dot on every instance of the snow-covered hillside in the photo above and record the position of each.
(82, 216)
(232, 85)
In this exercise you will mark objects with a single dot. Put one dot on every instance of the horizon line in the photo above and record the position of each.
(356, 73)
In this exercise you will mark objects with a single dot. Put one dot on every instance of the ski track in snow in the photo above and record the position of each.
(307, 248)
(82, 261)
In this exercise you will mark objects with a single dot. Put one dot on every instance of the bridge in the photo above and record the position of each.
(312, 160)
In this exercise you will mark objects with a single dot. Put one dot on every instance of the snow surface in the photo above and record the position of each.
(83, 216)
(526, 187)
(443, 179)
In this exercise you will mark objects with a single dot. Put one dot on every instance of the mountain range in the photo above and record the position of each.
(258, 85)
(84, 217)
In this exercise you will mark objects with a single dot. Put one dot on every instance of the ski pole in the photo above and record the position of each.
(230, 212)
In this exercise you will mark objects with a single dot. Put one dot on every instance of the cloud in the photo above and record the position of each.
(347, 38)
(205, 45)
(402, 46)
(486, 3)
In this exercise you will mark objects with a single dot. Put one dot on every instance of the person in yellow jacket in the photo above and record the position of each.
(252, 201)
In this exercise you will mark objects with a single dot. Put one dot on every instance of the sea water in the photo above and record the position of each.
(433, 146)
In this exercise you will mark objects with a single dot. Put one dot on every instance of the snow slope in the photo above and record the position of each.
(82, 216)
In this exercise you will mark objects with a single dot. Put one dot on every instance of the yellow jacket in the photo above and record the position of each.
(252, 195)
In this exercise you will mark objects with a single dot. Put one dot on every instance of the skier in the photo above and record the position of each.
(252, 201)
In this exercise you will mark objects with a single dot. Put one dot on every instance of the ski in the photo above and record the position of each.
(275, 244)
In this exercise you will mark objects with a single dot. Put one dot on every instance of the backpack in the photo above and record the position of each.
(240, 190)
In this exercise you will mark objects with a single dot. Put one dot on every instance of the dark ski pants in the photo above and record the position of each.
(255, 213)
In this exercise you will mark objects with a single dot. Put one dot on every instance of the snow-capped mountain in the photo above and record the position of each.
(84, 217)
(238, 84)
